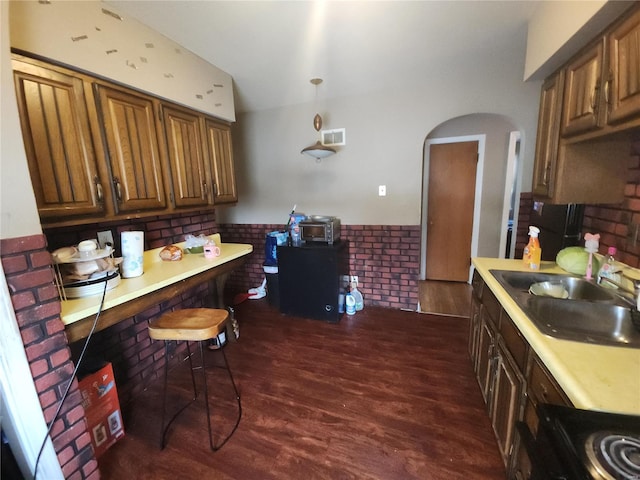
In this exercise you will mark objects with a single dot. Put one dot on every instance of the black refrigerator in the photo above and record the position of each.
(310, 278)
(560, 226)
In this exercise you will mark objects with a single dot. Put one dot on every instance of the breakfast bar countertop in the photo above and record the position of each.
(157, 274)
(594, 377)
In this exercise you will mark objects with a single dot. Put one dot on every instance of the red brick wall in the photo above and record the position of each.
(27, 267)
(612, 221)
(386, 259)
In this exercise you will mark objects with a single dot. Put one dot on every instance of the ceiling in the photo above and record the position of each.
(273, 48)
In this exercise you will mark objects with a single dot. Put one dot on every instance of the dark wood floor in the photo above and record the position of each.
(384, 394)
(445, 298)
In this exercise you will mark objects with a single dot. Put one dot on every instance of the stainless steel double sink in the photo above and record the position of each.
(591, 313)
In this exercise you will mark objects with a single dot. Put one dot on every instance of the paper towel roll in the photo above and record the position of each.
(132, 245)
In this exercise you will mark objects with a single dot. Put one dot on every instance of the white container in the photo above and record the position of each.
(357, 296)
(350, 304)
(132, 246)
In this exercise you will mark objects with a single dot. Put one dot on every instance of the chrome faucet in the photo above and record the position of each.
(633, 296)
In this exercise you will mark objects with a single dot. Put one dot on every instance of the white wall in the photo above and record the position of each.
(18, 211)
(119, 47)
(560, 28)
(385, 137)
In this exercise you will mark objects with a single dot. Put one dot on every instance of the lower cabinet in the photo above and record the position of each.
(541, 388)
(512, 379)
(506, 399)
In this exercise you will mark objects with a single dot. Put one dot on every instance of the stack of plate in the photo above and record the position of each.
(94, 286)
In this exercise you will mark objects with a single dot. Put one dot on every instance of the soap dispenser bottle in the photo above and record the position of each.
(609, 269)
(532, 252)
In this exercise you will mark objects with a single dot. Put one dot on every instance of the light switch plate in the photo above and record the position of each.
(382, 190)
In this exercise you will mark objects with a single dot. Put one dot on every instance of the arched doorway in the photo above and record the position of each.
(494, 134)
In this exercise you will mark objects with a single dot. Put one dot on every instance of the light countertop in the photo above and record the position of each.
(594, 377)
(157, 274)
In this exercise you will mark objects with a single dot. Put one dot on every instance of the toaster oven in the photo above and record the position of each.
(317, 228)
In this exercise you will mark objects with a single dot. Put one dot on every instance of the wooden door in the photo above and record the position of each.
(450, 204)
(57, 139)
(219, 149)
(624, 70)
(186, 157)
(134, 158)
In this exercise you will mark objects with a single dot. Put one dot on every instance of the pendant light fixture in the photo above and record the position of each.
(317, 150)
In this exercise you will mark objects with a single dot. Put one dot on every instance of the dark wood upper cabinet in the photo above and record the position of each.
(58, 143)
(220, 151)
(133, 153)
(185, 151)
(623, 89)
(582, 107)
(99, 151)
(602, 83)
(544, 172)
(583, 149)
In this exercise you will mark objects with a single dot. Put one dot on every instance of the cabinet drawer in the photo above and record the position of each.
(515, 343)
(477, 284)
(543, 389)
(491, 306)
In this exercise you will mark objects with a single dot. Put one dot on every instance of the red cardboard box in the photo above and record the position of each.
(102, 408)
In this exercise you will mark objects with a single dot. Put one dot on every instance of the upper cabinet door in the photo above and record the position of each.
(132, 143)
(547, 141)
(58, 144)
(186, 156)
(581, 110)
(623, 87)
(219, 148)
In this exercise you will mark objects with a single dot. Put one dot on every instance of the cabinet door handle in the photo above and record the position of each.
(543, 393)
(99, 192)
(547, 174)
(594, 97)
(607, 89)
(215, 189)
(205, 188)
(116, 184)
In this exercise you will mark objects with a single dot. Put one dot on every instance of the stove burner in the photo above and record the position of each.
(614, 456)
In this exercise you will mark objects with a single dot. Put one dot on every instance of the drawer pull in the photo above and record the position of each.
(544, 392)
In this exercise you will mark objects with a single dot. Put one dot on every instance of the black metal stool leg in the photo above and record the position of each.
(235, 389)
(165, 429)
(193, 377)
(164, 393)
(206, 395)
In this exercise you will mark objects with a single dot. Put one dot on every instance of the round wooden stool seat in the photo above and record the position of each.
(191, 324)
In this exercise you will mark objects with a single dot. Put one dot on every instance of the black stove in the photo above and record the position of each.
(574, 444)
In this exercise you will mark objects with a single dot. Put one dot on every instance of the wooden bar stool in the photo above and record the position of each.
(192, 325)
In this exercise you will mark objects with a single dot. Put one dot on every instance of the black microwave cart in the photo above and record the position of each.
(310, 278)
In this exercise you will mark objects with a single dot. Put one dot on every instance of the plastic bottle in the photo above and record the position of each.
(532, 252)
(296, 239)
(350, 303)
(357, 296)
(609, 269)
